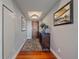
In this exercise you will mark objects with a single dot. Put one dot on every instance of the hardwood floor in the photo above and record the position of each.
(35, 55)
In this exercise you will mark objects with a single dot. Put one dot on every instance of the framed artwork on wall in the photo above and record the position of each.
(64, 15)
(23, 24)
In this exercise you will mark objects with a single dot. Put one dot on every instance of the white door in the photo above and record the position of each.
(9, 32)
(0, 29)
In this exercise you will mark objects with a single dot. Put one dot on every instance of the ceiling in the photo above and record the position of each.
(43, 6)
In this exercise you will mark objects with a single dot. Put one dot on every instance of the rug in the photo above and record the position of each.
(32, 45)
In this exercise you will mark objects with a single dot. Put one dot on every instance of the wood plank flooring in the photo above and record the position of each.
(35, 55)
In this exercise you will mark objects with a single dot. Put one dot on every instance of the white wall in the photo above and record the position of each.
(29, 29)
(63, 37)
(19, 35)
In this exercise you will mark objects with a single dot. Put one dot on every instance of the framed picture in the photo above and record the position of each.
(23, 24)
(64, 15)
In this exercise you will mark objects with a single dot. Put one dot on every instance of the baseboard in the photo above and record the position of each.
(19, 50)
(58, 57)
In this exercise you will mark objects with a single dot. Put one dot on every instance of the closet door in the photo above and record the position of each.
(0, 29)
(8, 32)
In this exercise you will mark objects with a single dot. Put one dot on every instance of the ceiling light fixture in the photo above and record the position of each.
(34, 14)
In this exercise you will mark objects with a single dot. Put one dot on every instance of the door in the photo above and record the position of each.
(8, 32)
(35, 29)
(0, 29)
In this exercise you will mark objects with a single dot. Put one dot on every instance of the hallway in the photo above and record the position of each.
(38, 29)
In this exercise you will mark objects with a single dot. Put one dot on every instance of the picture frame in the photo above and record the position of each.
(64, 15)
(23, 24)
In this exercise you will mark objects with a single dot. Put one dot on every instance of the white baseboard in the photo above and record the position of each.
(19, 50)
(58, 57)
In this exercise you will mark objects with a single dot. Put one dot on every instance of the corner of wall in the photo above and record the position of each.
(57, 56)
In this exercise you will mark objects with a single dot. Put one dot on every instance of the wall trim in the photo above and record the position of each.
(19, 49)
(58, 57)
